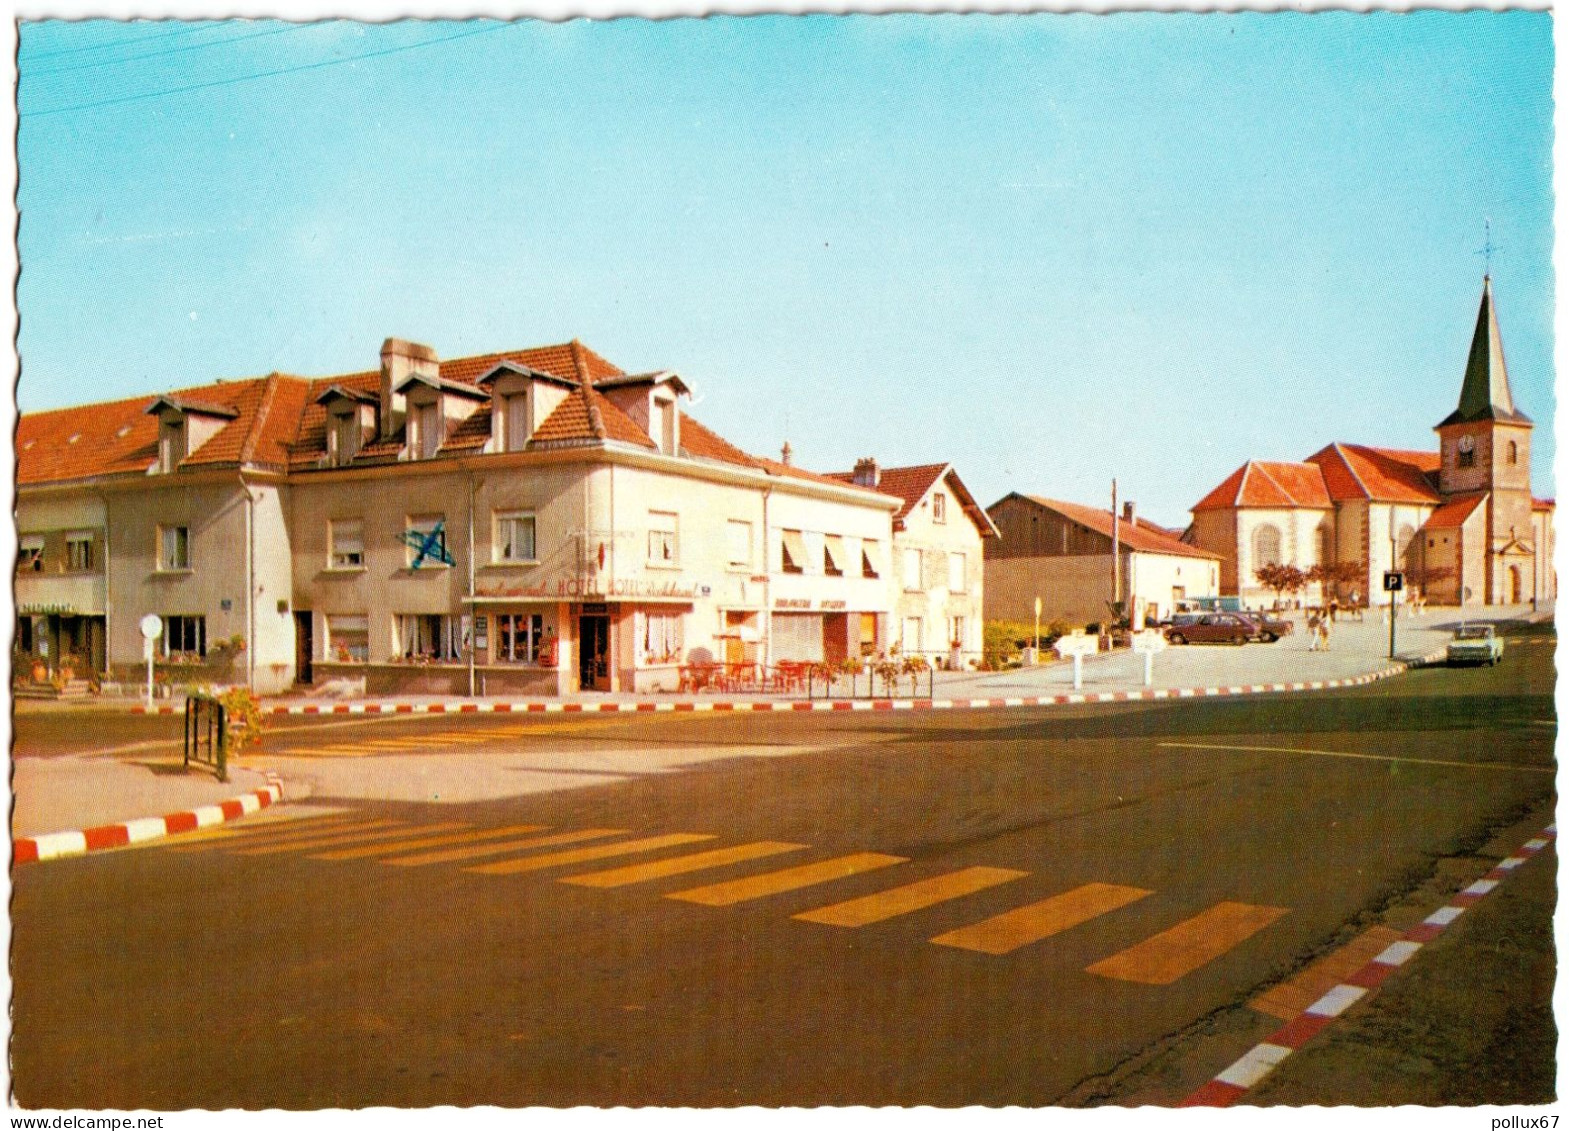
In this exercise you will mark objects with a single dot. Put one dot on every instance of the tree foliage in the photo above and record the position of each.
(1281, 578)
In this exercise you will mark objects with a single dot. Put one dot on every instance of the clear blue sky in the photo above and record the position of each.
(1052, 249)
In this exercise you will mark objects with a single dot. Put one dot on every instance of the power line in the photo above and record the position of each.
(166, 34)
(262, 74)
(30, 74)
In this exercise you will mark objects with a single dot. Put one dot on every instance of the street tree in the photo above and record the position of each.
(1281, 578)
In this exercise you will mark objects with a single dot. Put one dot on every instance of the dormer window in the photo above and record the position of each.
(662, 423)
(184, 425)
(343, 436)
(171, 443)
(515, 422)
(427, 430)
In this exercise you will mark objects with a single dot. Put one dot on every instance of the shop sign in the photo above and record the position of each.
(568, 588)
(833, 605)
(48, 610)
(793, 603)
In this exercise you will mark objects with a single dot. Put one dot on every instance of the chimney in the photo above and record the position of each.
(867, 473)
(1127, 513)
(398, 360)
(784, 454)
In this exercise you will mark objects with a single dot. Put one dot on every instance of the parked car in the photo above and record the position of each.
(1219, 628)
(1270, 628)
(1476, 644)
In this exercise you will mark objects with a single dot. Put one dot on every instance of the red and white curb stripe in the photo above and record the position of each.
(555, 706)
(1262, 1059)
(78, 841)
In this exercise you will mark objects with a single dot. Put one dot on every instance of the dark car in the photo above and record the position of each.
(1217, 628)
(1270, 628)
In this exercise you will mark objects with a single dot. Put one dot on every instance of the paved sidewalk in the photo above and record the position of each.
(55, 794)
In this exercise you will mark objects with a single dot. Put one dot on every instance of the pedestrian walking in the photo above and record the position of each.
(1323, 634)
(1312, 623)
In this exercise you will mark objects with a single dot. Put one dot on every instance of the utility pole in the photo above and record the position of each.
(1394, 567)
(1116, 550)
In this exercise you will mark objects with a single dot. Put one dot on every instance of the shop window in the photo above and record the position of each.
(348, 637)
(429, 637)
(184, 636)
(661, 638)
(79, 552)
(347, 539)
(515, 537)
(517, 637)
(30, 553)
(174, 547)
(662, 547)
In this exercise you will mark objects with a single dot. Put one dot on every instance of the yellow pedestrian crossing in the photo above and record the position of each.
(912, 897)
(1158, 960)
(325, 840)
(598, 852)
(285, 834)
(774, 883)
(1012, 929)
(451, 855)
(1163, 958)
(196, 838)
(680, 865)
(467, 837)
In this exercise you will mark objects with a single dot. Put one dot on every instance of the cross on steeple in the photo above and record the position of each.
(1487, 249)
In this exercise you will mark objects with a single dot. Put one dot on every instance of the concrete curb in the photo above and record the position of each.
(1262, 1059)
(78, 841)
(553, 706)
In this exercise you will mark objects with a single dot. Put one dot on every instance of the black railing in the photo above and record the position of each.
(207, 734)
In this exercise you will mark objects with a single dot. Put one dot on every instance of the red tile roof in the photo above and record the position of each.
(910, 485)
(1452, 514)
(701, 442)
(120, 438)
(1383, 475)
(1261, 483)
(1543, 504)
(1137, 536)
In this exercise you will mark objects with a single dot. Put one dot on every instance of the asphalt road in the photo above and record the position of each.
(1103, 880)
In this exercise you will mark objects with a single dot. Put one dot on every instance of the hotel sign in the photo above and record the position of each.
(575, 588)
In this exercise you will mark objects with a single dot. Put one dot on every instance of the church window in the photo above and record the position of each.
(1514, 452)
(1266, 546)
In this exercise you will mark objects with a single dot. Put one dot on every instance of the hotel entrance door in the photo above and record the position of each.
(593, 634)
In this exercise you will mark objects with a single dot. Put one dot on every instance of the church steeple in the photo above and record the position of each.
(1485, 392)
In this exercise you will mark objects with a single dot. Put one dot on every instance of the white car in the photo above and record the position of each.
(1476, 644)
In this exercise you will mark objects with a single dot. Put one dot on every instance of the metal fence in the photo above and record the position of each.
(207, 734)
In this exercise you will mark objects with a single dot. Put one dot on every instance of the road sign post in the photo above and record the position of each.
(1077, 645)
(1394, 582)
(152, 629)
(1146, 644)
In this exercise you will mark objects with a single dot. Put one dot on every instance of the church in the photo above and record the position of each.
(1460, 521)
